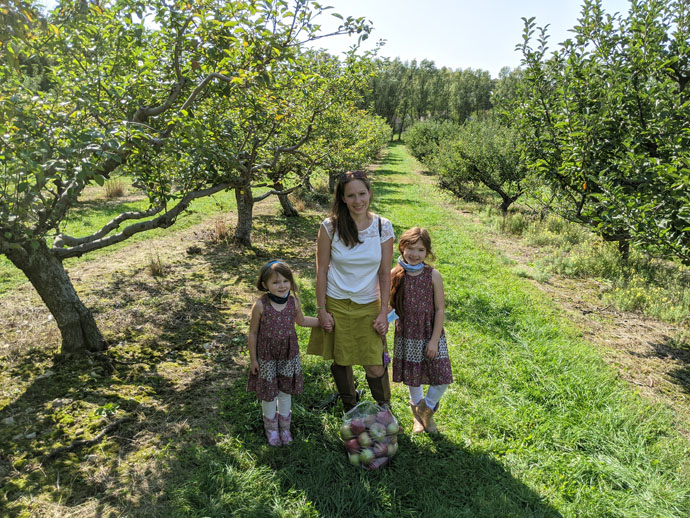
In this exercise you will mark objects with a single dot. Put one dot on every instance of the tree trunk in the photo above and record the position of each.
(289, 211)
(506, 203)
(49, 278)
(332, 177)
(245, 209)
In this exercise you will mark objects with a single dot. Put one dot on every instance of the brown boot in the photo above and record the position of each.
(380, 389)
(345, 383)
(417, 427)
(426, 416)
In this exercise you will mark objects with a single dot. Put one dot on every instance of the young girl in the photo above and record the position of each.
(420, 349)
(275, 371)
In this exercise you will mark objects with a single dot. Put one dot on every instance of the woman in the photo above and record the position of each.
(354, 250)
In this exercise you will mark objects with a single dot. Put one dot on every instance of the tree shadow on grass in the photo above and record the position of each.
(157, 379)
(678, 351)
(242, 476)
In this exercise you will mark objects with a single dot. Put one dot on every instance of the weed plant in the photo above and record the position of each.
(155, 266)
(114, 188)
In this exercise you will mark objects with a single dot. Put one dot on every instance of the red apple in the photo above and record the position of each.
(385, 417)
(357, 426)
(365, 439)
(352, 446)
(380, 449)
(377, 463)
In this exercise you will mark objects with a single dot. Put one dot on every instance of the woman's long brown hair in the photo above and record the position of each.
(340, 215)
(407, 238)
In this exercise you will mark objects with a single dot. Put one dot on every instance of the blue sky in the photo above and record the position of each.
(458, 33)
(453, 33)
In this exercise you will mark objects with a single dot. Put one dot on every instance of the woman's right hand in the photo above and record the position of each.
(326, 320)
(254, 367)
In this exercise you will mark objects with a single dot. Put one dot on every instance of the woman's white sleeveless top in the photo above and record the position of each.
(353, 272)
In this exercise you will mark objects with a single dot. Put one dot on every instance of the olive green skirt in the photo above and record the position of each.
(353, 340)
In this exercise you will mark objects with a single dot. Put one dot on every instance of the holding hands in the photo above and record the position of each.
(381, 324)
(325, 320)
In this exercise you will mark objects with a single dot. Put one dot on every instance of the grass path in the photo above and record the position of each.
(534, 425)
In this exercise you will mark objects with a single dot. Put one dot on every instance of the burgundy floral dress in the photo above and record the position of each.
(412, 332)
(277, 351)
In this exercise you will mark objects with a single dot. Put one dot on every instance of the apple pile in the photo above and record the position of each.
(370, 434)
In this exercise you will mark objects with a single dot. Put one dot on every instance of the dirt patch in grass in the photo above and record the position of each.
(177, 344)
(651, 355)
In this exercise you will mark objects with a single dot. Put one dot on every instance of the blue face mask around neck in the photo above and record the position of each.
(409, 267)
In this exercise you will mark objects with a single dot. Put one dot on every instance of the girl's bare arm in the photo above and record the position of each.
(257, 311)
(439, 314)
(323, 261)
(301, 320)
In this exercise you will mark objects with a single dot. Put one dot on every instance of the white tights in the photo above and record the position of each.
(433, 394)
(283, 403)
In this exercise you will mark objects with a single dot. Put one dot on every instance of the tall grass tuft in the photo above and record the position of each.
(155, 266)
(114, 188)
(222, 231)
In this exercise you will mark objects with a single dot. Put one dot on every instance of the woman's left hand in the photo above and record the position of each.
(381, 324)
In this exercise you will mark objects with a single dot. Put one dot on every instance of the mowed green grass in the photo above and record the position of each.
(535, 424)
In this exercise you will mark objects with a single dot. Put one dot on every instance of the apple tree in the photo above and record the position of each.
(604, 122)
(484, 151)
(94, 89)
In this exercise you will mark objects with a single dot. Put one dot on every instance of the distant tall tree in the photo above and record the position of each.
(404, 93)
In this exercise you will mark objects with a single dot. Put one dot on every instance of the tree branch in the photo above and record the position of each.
(162, 221)
(63, 240)
(277, 193)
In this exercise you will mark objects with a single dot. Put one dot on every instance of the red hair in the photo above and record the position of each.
(407, 238)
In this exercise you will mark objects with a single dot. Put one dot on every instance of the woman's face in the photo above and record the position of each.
(415, 253)
(356, 196)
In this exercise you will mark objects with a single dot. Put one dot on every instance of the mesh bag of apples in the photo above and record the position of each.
(370, 433)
